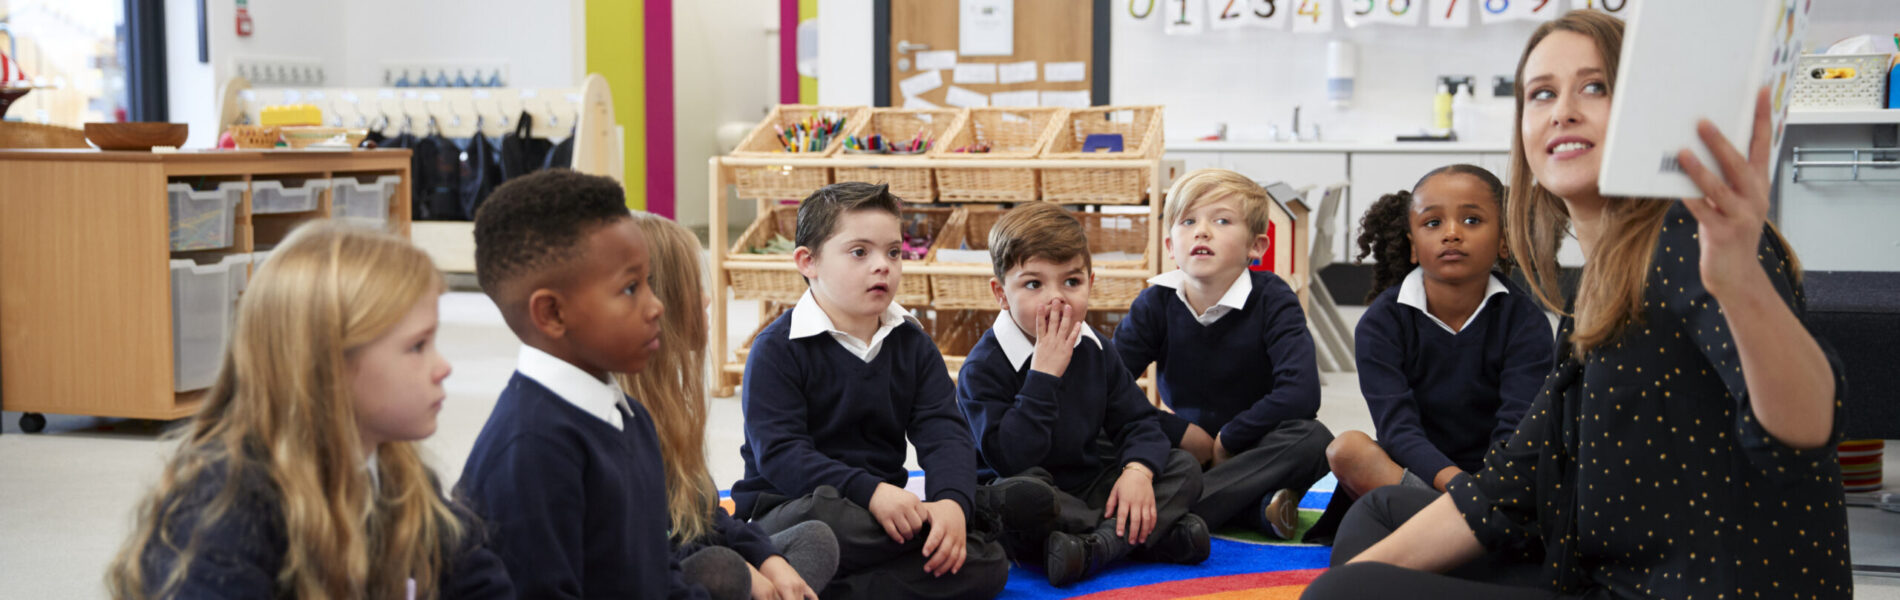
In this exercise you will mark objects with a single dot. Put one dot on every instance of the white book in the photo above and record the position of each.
(1687, 60)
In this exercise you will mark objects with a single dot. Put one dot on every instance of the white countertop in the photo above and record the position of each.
(1339, 146)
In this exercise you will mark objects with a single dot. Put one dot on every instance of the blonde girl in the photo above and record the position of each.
(730, 558)
(300, 476)
(1683, 445)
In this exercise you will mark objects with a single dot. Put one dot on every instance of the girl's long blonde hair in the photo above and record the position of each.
(282, 408)
(1616, 271)
(673, 386)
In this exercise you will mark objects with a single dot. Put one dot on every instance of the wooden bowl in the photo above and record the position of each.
(135, 136)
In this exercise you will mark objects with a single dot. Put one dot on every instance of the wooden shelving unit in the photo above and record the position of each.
(729, 368)
(85, 288)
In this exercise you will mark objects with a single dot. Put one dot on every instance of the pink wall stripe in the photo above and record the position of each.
(661, 186)
(788, 51)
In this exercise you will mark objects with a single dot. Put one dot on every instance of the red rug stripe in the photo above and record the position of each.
(1209, 585)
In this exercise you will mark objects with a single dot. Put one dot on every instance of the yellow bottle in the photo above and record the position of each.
(1441, 108)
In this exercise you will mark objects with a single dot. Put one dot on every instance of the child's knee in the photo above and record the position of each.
(1348, 452)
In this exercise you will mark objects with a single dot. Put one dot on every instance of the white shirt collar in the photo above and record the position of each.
(809, 319)
(597, 397)
(1412, 293)
(1234, 299)
(1016, 344)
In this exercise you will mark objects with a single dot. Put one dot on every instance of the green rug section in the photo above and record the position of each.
(1248, 535)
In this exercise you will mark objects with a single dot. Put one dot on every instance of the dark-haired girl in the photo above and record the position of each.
(1450, 352)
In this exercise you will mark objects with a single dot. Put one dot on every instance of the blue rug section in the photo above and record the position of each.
(1226, 558)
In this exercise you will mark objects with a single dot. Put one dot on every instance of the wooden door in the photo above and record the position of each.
(1045, 31)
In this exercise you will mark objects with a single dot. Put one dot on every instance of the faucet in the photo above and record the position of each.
(1296, 122)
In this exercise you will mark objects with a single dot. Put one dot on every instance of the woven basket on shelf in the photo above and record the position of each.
(1140, 128)
(762, 276)
(970, 230)
(783, 182)
(956, 332)
(911, 184)
(1012, 134)
(256, 137)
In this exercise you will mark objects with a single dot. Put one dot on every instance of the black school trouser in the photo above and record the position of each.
(1377, 515)
(1291, 456)
(872, 565)
(1079, 509)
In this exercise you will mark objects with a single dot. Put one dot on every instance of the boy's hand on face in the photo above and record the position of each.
(1057, 329)
(1132, 504)
(946, 545)
(899, 511)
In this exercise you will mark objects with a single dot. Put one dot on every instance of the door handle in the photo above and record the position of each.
(905, 47)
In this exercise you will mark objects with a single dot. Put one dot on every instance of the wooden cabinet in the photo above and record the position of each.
(85, 286)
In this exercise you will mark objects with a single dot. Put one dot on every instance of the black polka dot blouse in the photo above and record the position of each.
(1640, 469)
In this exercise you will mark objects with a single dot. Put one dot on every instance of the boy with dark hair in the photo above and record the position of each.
(566, 471)
(831, 391)
(1253, 418)
(1049, 409)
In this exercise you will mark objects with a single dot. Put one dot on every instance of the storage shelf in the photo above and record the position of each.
(1844, 117)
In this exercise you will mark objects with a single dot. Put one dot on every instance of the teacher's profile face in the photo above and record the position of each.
(1566, 111)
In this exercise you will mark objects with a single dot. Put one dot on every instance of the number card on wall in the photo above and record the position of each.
(1139, 10)
(1313, 16)
(1497, 11)
(1449, 13)
(1270, 14)
(1227, 14)
(1616, 8)
(1537, 10)
(1184, 17)
(1380, 12)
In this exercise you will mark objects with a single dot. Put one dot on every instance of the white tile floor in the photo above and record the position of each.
(66, 495)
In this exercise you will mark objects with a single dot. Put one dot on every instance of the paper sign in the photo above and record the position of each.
(1449, 13)
(1268, 14)
(1024, 98)
(1184, 17)
(1227, 14)
(976, 73)
(292, 96)
(936, 59)
(1066, 99)
(1058, 72)
(986, 27)
(1615, 8)
(1313, 16)
(963, 98)
(1495, 11)
(1016, 72)
(919, 103)
(916, 85)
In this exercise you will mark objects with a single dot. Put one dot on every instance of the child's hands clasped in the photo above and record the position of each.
(899, 511)
(1132, 504)
(1734, 205)
(1057, 329)
(946, 544)
(775, 579)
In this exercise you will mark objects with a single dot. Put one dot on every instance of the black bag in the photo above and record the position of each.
(481, 172)
(562, 156)
(436, 167)
(521, 152)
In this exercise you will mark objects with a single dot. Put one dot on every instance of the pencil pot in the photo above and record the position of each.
(1123, 132)
(901, 127)
(759, 264)
(995, 135)
(770, 140)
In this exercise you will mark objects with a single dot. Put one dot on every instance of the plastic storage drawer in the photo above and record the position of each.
(203, 220)
(273, 197)
(364, 203)
(204, 312)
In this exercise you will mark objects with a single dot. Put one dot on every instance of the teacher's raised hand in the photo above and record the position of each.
(1733, 206)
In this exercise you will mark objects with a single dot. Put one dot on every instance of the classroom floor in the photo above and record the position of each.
(67, 494)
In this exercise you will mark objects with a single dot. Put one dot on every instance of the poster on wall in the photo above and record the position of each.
(1183, 17)
(1449, 13)
(986, 27)
(1313, 16)
(1268, 14)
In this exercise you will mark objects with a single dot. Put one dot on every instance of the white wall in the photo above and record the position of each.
(725, 70)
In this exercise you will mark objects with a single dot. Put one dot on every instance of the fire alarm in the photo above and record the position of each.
(243, 19)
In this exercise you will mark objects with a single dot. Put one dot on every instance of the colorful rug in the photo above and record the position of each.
(1242, 564)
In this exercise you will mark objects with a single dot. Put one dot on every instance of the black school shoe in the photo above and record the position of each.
(1074, 557)
(1187, 543)
(1026, 509)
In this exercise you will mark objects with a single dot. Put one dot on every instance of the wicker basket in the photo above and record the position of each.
(256, 137)
(1140, 128)
(786, 182)
(956, 332)
(911, 184)
(1012, 134)
(970, 229)
(763, 276)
